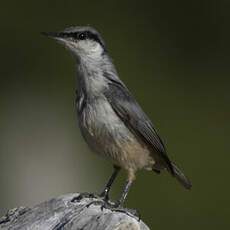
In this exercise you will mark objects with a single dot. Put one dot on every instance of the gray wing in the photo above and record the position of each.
(125, 106)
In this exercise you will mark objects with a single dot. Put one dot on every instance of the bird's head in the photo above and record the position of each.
(81, 41)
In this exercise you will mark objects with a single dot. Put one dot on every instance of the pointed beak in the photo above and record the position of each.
(58, 36)
(61, 37)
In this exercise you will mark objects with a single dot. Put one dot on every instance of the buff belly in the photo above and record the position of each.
(108, 136)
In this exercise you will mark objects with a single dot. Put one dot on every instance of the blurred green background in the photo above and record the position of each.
(174, 57)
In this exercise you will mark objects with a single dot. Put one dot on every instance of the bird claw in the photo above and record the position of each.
(105, 203)
(104, 196)
(96, 202)
(114, 207)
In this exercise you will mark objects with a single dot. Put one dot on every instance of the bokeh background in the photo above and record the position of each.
(174, 57)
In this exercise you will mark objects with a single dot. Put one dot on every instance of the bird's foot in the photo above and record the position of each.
(96, 202)
(115, 207)
(104, 196)
(103, 200)
(84, 195)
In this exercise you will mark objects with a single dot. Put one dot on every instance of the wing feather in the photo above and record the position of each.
(124, 104)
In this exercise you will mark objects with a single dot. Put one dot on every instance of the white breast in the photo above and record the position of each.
(101, 119)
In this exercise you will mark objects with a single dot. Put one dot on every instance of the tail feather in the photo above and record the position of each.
(183, 180)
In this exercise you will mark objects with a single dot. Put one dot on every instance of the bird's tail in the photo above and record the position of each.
(183, 180)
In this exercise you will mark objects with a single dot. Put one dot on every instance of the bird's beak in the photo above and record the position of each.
(58, 36)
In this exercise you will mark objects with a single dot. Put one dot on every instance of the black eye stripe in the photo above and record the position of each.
(82, 36)
(94, 37)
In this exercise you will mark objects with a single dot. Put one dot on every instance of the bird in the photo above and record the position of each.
(111, 121)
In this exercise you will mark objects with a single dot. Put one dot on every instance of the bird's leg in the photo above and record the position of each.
(118, 205)
(105, 203)
(105, 192)
(124, 194)
(131, 178)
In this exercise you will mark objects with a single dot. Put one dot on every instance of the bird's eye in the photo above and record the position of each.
(82, 36)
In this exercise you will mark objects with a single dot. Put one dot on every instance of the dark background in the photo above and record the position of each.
(174, 57)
